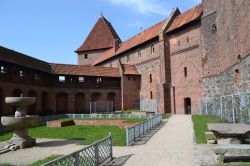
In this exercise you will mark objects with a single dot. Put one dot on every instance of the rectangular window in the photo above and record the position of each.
(151, 95)
(128, 59)
(185, 71)
(152, 48)
(150, 78)
(3, 69)
(61, 79)
(21, 73)
(81, 79)
(85, 56)
(139, 54)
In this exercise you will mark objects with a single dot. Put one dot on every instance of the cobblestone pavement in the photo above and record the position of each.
(172, 145)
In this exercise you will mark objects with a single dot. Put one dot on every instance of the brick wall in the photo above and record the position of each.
(225, 51)
(185, 53)
(91, 56)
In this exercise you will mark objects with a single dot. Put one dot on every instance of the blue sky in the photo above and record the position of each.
(51, 30)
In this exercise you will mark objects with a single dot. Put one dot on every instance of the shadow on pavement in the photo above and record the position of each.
(118, 161)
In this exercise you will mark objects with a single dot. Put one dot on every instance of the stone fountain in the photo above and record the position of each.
(20, 123)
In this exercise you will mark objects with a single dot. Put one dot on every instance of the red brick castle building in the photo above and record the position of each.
(201, 53)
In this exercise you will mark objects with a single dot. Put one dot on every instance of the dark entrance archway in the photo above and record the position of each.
(1, 102)
(80, 103)
(61, 102)
(187, 105)
(111, 97)
(32, 108)
(45, 103)
(16, 93)
(96, 97)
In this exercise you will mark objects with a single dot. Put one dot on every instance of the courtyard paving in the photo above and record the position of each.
(172, 145)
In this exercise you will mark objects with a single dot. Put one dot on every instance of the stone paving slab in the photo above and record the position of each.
(44, 149)
(172, 145)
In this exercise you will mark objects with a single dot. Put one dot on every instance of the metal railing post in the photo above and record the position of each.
(127, 136)
(111, 148)
(96, 155)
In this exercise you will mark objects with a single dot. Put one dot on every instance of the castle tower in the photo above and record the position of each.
(101, 38)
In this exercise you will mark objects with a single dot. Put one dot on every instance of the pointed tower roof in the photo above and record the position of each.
(101, 36)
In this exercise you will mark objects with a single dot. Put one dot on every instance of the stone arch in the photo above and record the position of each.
(1, 102)
(16, 93)
(111, 97)
(45, 102)
(61, 102)
(96, 96)
(80, 103)
(32, 108)
(187, 105)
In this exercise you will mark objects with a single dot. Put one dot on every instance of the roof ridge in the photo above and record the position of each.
(110, 26)
(24, 54)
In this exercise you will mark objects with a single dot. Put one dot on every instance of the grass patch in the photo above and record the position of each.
(88, 134)
(126, 120)
(200, 126)
(39, 162)
(131, 111)
(165, 116)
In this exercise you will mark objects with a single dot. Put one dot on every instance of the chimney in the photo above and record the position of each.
(116, 44)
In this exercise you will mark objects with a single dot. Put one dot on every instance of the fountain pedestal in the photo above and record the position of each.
(20, 122)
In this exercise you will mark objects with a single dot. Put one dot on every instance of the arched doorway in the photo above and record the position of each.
(187, 105)
(16, 93)
(111, 97)
(45, 103)
(61, 102)
(1, 102)
(80, 103)
(32, 108)
(96, 97)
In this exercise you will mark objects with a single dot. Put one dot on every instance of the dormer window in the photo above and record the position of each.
(2, 70)
(99, 80)
(139, 54)
(81, 79)
(21, 73)
(61, 79)
(152, 48)
(85, 56)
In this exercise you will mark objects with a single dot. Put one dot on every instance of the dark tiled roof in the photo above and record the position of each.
(185, 18)
(84, 70)
(12, 56)
(130, 70)
(142, 37)
(101, 36)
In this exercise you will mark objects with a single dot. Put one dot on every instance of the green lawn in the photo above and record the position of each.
(39, 162)
(200, 126)
(165, 116)
(126, 120)
(88, 134)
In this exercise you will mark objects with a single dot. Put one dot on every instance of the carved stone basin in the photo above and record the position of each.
(19, 122)
(20, 101)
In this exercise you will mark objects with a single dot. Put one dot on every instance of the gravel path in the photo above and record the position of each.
(172, 145)
(45, 148)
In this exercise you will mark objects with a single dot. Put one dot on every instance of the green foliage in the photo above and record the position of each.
(165, 116)
(126, 120)
(200, 126)
(88, 134)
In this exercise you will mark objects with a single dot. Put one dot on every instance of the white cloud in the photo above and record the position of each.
(143, 6)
